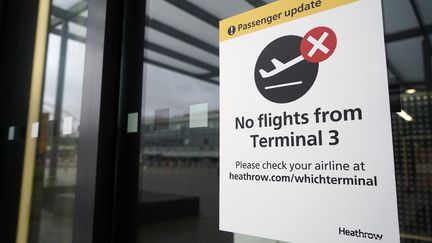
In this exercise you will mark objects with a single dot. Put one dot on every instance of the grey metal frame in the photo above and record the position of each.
(93, 215)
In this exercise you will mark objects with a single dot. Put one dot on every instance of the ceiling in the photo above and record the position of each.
(173, 41)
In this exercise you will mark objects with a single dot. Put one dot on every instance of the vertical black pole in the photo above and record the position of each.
(93, 217)
(128, 144)
(52, 174)
(427, 55)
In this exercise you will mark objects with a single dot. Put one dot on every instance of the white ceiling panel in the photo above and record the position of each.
(53, 18)
(84, 14)
(173, 62)
(425, 7)
(178, 19)
(407, 58)
(181, 47)
(223, 8)
(59, 27)
(65, 4)
(398, 16)
(78, 30)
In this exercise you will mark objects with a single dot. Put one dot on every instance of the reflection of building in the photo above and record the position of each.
(177, 142)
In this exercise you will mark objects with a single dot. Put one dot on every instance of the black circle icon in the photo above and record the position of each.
(231, 30)
(281, 73)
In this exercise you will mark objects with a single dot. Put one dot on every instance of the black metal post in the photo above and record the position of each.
(427, 55)
(128, 144)
(93, 216)
(52, 174)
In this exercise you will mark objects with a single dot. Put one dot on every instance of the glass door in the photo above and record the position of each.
(177, 122)
(178, 198)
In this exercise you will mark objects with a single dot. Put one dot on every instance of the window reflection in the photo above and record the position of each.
(181, 69)
(179, 173)
(56, 163)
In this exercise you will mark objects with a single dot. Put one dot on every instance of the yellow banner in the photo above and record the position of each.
(273, 14)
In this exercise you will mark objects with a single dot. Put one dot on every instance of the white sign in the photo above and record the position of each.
(305, 142)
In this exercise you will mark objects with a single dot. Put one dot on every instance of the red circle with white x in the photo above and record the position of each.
(318, 44)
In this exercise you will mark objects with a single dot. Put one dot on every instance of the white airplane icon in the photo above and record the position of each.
(280, 67)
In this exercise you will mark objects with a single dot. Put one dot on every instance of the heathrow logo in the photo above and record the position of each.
(287, 67)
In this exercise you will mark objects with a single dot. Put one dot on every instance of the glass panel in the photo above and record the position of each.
(412, 136)
(178, 197)
(52, 202)
(179, 172)
(426, 10)
(412, 68)
(66, 4)
(394, 10)
(412, 129)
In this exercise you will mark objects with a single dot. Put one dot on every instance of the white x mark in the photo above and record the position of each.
(318, 44)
